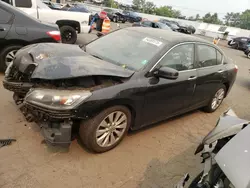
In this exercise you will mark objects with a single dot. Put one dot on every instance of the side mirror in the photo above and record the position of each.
(166, 72)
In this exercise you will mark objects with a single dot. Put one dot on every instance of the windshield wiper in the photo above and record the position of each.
(83, 46)
(96, 56)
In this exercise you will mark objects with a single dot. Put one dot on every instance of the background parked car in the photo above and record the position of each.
(131, 16)
(70, 23)
(18, 29)
(178, 26)
(77, 8)
(170, 24)
(240, 43)
(152, 24)
(115, 15)
(52, 5)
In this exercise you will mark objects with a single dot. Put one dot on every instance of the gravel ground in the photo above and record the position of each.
(155, 157)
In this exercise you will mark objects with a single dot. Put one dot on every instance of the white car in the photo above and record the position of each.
(70, 23)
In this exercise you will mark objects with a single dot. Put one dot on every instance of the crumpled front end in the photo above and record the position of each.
(56, 125)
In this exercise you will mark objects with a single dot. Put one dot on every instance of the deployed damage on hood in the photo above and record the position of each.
(53, 61)
(59, 66)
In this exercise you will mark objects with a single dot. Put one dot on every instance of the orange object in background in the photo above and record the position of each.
(106, 26)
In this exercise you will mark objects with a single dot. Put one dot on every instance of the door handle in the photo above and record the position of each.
(192, 77)
(2, 29)
(220, 71)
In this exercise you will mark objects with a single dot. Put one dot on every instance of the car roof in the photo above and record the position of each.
(169, 36)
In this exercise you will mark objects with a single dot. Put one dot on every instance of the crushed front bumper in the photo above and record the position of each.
(56, 125)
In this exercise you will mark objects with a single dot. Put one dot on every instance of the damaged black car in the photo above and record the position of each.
(125, 80)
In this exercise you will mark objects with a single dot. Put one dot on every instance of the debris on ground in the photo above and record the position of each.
(6, 142)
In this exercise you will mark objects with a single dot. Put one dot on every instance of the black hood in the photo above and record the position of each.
(53, 61)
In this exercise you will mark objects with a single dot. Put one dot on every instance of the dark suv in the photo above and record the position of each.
(18, 29)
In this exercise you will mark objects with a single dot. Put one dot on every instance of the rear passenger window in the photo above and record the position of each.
(4, 16)
(206, 56)
(219, 58)
(23, 3)
(180, 58)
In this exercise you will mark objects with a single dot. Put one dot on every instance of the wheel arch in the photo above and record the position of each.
(72, 23)
(120, 102)
(227, 84)
(14, 42)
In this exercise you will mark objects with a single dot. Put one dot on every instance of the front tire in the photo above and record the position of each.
(7, 56)
(235, 46)
(216, 100)
(106, 130)
(248, 55)
(69, 35)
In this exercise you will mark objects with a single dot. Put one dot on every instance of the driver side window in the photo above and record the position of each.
(180, 58)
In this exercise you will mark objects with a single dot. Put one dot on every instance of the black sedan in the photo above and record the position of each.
(170, 24)
(18, 29)
(115, 15)
(152, 24)
(125, 80)
(131, 16)
(240, 43)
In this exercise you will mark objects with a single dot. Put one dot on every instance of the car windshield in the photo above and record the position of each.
(56, 5)
(133, 14)
(129, 49)
(163, 26)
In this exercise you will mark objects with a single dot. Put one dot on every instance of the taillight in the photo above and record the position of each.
(56, 35)
(235, 68)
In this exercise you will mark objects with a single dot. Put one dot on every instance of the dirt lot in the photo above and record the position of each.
(151, 158)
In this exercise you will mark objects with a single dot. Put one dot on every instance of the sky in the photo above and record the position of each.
(193, 7)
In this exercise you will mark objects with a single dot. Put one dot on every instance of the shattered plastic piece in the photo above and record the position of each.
(6, 142)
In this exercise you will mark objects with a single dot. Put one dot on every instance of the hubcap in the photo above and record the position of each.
(10, 57)
(218, 98)
(111, 129)
(67, 35)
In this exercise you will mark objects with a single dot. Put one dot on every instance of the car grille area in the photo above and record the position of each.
(43, 114)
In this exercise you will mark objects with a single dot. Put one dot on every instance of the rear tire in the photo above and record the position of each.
(115, 19)
(69, 35)
(216, 100)
(99, 134)
(7, 54)
(248, 55)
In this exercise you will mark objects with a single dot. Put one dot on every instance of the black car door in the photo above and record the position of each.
(165, 97)
(211, 73)
(5, 23)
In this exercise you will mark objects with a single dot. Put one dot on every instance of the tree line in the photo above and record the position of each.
(241, 20)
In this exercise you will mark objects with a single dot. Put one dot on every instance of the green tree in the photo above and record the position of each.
(197, 17)
(149, 7)
(167, 11)
(138, 5)
(213, 19)
(245, 19)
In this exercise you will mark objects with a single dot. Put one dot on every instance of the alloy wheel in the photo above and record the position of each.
(111, 129)
(10, 57)
(248, 55)
(218, 98)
